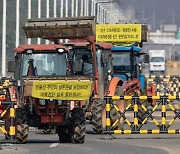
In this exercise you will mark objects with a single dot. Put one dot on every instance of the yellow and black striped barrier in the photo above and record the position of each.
(136, 126)
(10, 110)
(165, 84)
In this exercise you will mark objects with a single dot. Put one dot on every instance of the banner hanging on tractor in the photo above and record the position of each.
(118, 33)
(62, 90)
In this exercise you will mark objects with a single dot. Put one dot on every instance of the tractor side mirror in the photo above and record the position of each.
(11, 66)
(146, 58)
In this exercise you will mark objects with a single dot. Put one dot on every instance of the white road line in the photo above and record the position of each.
(53, 145)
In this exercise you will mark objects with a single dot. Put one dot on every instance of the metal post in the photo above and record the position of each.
(108, 121)
(135, 114)
(82, 7)
(4, 40)
(47, 15)
(61, 12)
(66, 7)
(17, 23)
(98, 13)
(87, 8)
(39, 16)
(72, 8)
(163, 114)
(29, 16)
(55, 6)
(101, 14)
(104, 15)
(92, 8)
(76, 8)
(12, 122)
(62, 8)
(66, 15)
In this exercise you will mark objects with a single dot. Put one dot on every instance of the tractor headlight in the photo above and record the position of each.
(42, 102)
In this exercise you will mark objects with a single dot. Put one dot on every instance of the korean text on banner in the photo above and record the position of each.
(62, 90)
(121, 33)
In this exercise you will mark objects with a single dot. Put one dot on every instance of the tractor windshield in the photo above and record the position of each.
(121, 61)
(82, 61)
(44, 64)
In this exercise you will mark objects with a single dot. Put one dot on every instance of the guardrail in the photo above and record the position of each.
(136, 127)
(9, 111)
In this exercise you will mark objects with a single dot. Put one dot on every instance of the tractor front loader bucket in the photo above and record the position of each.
(60, 28)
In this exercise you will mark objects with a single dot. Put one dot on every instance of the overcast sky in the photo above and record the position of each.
(154, 12)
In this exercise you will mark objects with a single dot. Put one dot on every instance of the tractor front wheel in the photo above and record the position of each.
(75, 130)
(22, 126)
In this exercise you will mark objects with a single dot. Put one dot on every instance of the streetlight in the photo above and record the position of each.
(4, 40)
(29, 16)
(97, 9)
(39, 16)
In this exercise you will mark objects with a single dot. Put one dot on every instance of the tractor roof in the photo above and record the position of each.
(84, 44)
(40, 47)
(124, 48)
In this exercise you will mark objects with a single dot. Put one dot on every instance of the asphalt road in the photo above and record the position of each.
(39, 143)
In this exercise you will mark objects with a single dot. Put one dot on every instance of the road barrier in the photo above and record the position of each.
(165, 85)
(10, 122)
(135, 126)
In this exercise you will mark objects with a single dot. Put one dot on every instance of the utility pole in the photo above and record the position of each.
(82, 7)
(62, 8)
(17, 23)
(29, 16)
(76, 8)
(66, 14)
(4, 40)
(72, 8)
(55, 6)
(47, 15)
(39, 16)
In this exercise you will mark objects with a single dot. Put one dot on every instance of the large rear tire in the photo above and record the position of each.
(22, 126)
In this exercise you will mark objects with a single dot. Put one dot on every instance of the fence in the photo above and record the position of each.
(135, 126)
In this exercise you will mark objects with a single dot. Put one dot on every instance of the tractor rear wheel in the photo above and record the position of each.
(98, 122)
(22, 125)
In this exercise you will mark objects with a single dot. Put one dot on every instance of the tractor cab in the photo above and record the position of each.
(41, 60)
(126, 63)
(87, 63)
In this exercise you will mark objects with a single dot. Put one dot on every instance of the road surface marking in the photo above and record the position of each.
(53, 145)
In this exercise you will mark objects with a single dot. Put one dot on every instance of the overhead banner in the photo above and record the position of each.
(121, 33)
(62, 90)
